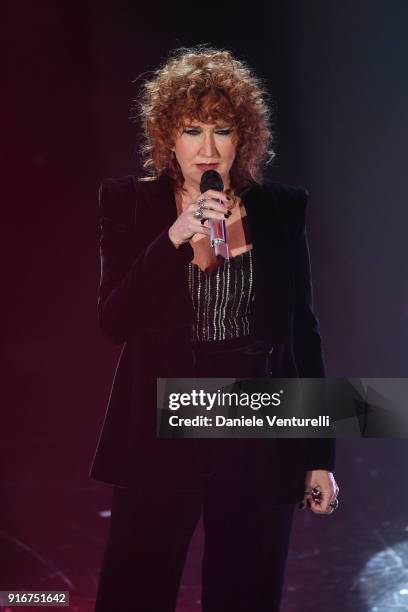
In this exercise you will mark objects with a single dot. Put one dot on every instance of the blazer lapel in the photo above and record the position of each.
(273, 279)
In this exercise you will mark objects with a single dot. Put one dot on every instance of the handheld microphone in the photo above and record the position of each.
(211, 179)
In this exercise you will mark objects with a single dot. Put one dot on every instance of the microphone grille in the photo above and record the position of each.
(211, 179)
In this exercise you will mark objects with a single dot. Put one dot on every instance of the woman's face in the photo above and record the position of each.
(203, 146)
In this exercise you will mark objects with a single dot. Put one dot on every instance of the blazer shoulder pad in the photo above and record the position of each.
(284, 191)
(289, 199)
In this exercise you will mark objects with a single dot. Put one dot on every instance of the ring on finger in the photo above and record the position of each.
(334, 503)
(198, 214)
(201, 203)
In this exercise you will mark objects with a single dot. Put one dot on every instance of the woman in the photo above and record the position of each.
(181, 312)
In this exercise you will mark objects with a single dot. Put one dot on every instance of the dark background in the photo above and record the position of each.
(337, 75)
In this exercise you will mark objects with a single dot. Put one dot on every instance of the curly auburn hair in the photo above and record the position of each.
(206, 85)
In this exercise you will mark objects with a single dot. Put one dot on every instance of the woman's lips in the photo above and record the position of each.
(206, 166)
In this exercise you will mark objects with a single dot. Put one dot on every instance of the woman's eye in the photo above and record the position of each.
(191, 131)
(224, 131)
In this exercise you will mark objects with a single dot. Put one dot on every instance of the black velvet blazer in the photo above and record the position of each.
(144, 303)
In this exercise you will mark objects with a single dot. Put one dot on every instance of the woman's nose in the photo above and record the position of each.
(208, 148)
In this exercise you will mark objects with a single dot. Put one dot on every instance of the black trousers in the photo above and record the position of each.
(246, 531)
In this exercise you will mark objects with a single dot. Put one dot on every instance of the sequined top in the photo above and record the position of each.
(223, 301)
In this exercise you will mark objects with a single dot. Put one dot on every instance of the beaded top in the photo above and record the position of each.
(223, 301)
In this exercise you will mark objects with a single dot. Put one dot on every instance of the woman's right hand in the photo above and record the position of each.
(216, 206)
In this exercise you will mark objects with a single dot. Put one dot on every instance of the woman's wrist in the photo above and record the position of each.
(175, 242)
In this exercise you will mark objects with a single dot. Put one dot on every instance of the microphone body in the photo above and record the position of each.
(211, 179)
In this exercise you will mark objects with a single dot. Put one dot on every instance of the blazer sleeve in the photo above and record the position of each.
(133, 282)
(319, 453)
(307, 344)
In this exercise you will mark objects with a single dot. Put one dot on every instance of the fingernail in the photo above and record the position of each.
(229, 213)
(202, 221)
(226, 215)
(228, 198)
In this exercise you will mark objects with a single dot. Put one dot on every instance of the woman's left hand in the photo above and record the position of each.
(323, 481)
